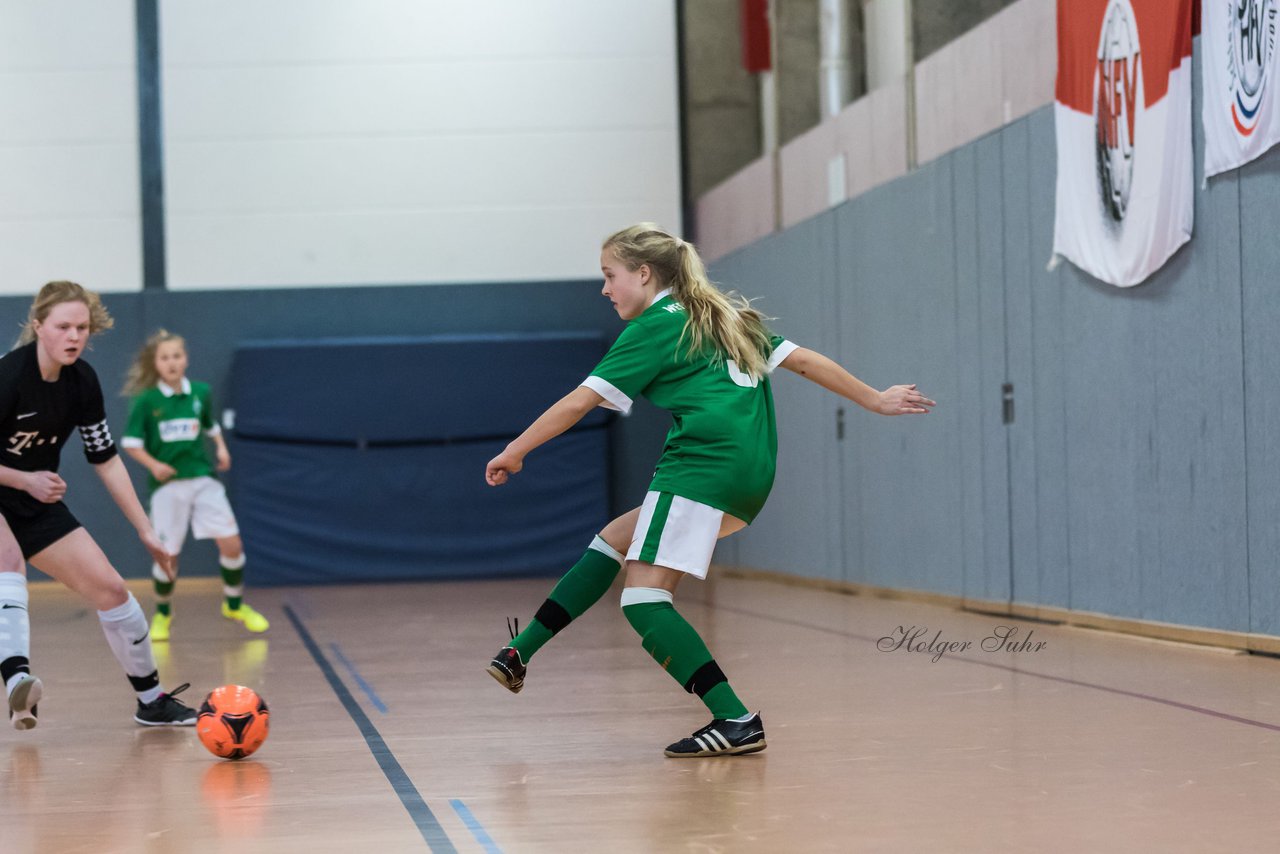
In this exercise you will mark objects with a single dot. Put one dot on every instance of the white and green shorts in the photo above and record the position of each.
(199, 503)
(676, 532)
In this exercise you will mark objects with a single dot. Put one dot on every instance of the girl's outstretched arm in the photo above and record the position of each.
(895, 400)
(116, 479)
(562, 415)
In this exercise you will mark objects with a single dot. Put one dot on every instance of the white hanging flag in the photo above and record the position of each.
(1123, 120)
(1241, 107)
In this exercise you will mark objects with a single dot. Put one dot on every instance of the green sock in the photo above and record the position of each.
(676, 646)
(164, 590)
(579, 589)
(233, 582)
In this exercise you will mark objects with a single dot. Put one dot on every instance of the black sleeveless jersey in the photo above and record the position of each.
(37, 417)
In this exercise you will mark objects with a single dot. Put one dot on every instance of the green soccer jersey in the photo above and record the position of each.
(722, 449)
(171, 427)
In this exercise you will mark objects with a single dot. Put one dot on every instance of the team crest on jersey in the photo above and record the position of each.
(1117, 89)
(1251, 42)
(179, 429)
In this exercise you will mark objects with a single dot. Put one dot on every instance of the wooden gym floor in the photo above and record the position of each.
(387, 735)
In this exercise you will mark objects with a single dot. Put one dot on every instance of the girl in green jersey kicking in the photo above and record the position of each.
(168, 422)
(704, 356)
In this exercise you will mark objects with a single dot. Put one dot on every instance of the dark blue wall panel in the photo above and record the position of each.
(323, 514)
(215, 322)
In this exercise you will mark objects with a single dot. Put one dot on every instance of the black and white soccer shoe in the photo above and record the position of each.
(722, 738)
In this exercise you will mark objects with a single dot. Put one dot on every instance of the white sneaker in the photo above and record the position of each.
(23, 697)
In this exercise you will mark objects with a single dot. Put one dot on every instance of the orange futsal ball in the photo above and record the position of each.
(233, 721)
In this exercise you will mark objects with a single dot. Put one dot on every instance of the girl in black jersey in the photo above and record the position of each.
(46, 393)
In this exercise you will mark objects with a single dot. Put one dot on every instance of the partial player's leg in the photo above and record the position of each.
(675, 537)
(163, 586)
(77, 561)
(21, 688)
(231, 562)
(211, 518)
(170, 516)
(579, 589)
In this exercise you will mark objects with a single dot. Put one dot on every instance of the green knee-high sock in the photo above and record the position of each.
(232, 580)
(164, 590)
(579, 589)
(676, 646)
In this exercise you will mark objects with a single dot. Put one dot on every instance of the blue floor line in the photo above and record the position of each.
(421, 814)
(355, 674)
(477, 830)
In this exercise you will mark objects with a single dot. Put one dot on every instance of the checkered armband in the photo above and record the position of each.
(98, 446)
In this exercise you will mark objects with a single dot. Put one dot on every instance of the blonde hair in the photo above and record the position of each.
(724, 322)
(142, 373)
(56, 293)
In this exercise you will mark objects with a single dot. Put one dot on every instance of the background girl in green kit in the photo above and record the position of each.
(168, 422)
(705, 357)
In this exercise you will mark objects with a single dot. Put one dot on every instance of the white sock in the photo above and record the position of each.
(742, 720)
(130, 640)
(15, 627)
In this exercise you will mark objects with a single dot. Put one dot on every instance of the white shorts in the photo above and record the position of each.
(676, 532)
(200, 502)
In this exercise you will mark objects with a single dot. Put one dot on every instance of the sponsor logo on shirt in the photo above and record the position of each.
(179, 429)
(23, 439)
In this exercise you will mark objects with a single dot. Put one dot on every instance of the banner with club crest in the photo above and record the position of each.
(1241, 93)
(1123, 123)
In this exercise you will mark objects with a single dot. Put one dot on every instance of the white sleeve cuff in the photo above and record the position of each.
(215, 430)
(613, 398)
(130, 442)
(780, 353)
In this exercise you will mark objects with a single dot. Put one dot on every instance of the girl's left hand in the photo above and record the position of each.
(224, 459)
(903, 400)
(158, 552)
(501, 467)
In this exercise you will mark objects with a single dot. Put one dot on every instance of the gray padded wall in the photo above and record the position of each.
(792, 278)
(1258, 197)
(903, 486)
(1139, 476)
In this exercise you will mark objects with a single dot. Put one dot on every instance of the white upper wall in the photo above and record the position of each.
(69, 195)
(312, 142)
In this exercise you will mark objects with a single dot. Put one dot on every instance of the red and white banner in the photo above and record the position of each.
(1123, 117)
(1241, 92)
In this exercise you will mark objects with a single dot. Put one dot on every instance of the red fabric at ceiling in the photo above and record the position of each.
(755, 35)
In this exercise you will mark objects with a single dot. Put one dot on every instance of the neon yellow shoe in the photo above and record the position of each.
(160, 626)
(253, 621)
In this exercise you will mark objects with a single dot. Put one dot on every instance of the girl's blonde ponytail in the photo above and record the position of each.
(724, 324)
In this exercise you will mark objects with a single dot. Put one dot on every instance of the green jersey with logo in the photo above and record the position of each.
(171, 426)
(722, 449)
